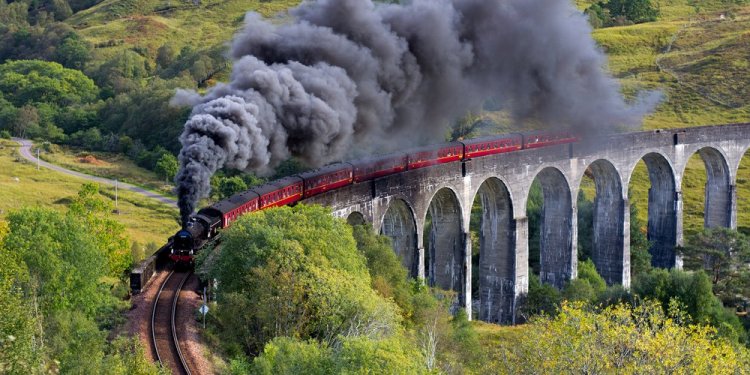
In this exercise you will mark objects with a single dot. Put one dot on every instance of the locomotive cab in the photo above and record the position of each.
(183, 241)
(183, 246)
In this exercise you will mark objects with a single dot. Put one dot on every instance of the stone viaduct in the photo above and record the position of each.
(441, 196)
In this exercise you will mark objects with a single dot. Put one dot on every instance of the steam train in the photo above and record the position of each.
(207, 222)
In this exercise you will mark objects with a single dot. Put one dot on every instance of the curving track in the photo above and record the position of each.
(163, 329)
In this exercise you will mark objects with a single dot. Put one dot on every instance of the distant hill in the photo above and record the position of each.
(146, 25)
(696, 52)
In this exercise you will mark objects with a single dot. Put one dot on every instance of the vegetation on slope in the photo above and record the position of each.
(146, 221)
(620, 339)
(62, 288)
(112, 165)
(134, 53)
(301, 291)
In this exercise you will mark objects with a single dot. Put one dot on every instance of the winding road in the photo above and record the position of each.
(26, 153)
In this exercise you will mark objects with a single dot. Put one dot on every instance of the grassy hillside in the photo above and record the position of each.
(696, 53)
(114, 25)
(22, 185)
(699, 60)
(109, 165)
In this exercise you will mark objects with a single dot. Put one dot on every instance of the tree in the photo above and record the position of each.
(167, 166)
(597, 16)
(26, 122)
(8, 114)
(18, 354)
(637, 11)
(33, 81)
(541, 299)
(122, 73)
(640, 257)
(587, 271)
(693, 292)
(621, 12)
(389, 277)
(585, 226)
(57, 302)
(74, 52)
(229, 186)
(587, 287)
(617, 339)
(165, 55)
(724, 254)
(90, 138)
(355, 355)
(295, 271)
(144, 112)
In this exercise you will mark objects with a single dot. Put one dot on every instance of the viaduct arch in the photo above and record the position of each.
(427, 212)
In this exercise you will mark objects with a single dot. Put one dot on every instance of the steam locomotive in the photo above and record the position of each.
(206, 223)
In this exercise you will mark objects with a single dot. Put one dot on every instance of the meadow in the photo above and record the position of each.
(110, 165)
(145, 220)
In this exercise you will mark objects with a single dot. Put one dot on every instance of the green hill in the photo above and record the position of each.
(114, 25)
(696, 52)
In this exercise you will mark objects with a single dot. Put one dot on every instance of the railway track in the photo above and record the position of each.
(163, 328)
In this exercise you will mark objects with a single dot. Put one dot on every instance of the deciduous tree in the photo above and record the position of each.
(167, 166)
(724, 254)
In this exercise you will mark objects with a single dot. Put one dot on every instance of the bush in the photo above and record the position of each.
(578, 290)
(542, 298)
(355, 355)
(692, 290)
(4, 134)
(296, 272)
(618, 339)
(389, 277)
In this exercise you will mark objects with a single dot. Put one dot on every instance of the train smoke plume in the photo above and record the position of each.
(348, 71)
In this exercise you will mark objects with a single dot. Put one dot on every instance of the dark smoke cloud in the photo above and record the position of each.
(350, 73)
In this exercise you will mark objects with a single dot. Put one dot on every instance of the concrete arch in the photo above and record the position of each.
(446, 264)
(399, 224)
(610, 250)
(718, 189)
(663, 202)
(497, 239)
(557, 255)
(356, 218)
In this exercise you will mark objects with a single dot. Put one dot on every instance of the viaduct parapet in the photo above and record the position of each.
(401, 205)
